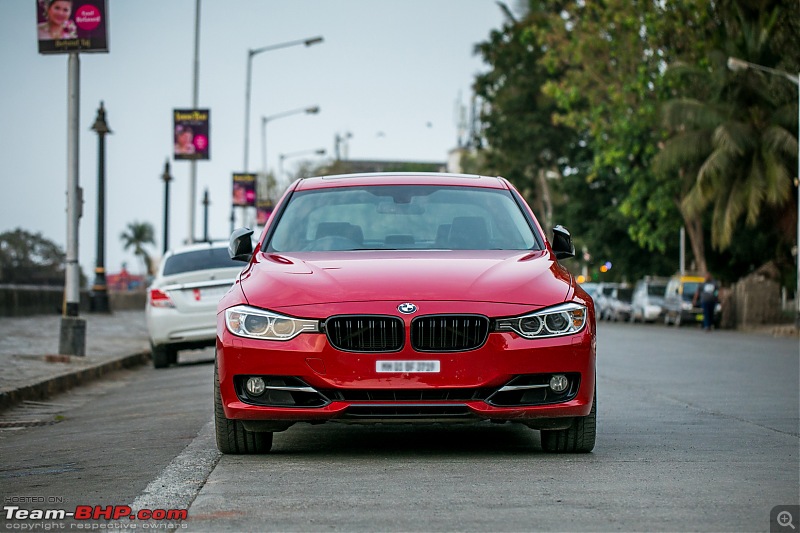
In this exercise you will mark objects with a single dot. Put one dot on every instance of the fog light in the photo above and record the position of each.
(559, 383)
(255, 386)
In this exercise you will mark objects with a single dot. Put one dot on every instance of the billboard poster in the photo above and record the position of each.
(190, 130)
(66, 26)
(244, 190)
(263, 211)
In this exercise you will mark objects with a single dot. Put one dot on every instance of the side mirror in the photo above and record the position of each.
(240, 246)
(562, 243)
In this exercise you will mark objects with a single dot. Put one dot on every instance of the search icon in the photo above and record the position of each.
(785, 519)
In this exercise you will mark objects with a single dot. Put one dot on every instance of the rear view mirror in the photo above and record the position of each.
(562, 243)
(240, 247)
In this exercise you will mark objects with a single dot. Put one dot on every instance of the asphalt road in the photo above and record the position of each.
(695, 432)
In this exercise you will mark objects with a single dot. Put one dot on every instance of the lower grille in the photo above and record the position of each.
(368, 333)
(406, 395)
(400, 412)
(449, 333)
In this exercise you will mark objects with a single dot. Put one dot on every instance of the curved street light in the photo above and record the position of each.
(250, 54)
(281, 157)
(734, 63)
(312, 110)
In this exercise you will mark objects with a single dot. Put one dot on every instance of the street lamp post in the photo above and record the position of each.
(206, 203)
(250, 54)
(281, 157)
(248, 82)
(735, 63)
(166, 177)
(99, 299)
(264, 120)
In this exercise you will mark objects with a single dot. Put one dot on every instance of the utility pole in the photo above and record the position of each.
(72, 335)
(195, 93)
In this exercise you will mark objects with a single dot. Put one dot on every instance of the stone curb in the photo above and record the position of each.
(44, 389)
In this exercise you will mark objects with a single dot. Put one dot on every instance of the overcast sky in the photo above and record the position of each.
(389, 72)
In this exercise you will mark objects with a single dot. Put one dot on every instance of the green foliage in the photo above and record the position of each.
(30, 258)
(136, 236)
(733, 141)
(633, 103)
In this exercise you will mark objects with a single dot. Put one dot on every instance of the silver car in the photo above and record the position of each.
(182, 300)
(648, 300)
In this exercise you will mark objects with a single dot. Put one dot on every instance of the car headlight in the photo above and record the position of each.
(256, 323)
(564, 319)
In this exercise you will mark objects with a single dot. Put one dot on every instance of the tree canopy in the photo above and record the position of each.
(632, 104)
(30, 258)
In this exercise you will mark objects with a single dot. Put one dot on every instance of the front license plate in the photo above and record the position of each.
(407, 366)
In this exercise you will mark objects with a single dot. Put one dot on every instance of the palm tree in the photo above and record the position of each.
(136, 236)
(734, 147)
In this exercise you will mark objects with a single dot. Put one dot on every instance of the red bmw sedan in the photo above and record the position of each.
(413, 298)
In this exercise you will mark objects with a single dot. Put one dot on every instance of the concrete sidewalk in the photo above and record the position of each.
(33, 370)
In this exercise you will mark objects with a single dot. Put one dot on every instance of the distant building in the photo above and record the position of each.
(356, 166)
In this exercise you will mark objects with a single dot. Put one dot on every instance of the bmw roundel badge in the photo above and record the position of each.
(407, 308)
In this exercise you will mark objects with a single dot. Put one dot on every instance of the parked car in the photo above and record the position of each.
(181, 311)
(678, 306)
(590, 288)
(411, 298)
(619, 303)
(602, 299)
(648, 300)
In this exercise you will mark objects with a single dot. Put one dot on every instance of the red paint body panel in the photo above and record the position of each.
(530, 279)
(491, 283)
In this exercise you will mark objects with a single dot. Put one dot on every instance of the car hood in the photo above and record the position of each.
(283, 281)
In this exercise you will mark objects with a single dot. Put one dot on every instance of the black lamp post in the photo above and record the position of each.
(206, 203)
(167, 178)
(99, 299)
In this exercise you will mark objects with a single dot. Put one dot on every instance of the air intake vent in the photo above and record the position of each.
(449, 333)
(407, 412)
(368, 333)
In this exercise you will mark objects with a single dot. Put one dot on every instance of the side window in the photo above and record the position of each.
(672, 288)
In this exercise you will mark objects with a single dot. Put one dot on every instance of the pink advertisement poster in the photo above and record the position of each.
(66, 26)
(191, 133)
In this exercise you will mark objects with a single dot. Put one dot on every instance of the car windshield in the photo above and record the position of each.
(625, 295)
(205, 259)
(656, 290)
(689, 288)
(405, 217)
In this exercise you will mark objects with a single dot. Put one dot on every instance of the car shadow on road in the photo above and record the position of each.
(342, 440)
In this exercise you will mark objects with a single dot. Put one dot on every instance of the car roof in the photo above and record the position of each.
(690, 278)
(197, 246)
(402, 178)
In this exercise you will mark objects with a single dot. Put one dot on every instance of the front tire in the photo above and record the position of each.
(580, 437)
(232, 437)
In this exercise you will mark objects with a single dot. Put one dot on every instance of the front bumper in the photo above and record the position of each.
(309, 381)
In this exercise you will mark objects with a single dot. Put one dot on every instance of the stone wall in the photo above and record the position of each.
(23, 300)
(757, 299)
